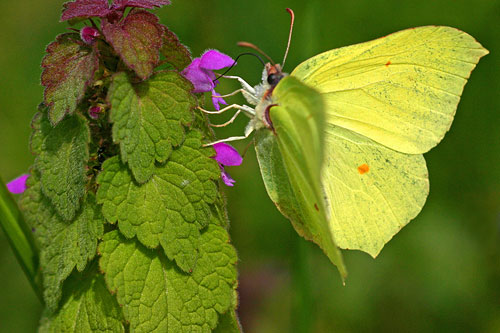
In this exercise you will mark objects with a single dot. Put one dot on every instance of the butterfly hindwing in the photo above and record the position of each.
(373, 190)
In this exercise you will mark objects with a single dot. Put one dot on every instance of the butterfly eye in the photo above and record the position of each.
(273, 79)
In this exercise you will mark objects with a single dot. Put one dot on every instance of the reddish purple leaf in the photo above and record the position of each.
(85, 9)
(137, 40)
(174, 52)
(148, 4)
(68, 68)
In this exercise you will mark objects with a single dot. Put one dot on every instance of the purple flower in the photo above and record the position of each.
(18, 185)
(89, 34)
(200, 73)
(226, 155)
(94, 111)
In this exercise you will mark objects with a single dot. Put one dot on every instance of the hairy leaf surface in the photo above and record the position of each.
(63, 245)
(137, 39)
(68, 68)
(85, 9)
(171, 208)
(88, 307)
(155, 295)
(148, 4)
(174, 52)
(148, 119)
(62, 158)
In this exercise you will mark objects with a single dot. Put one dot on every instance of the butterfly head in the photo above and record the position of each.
(271, 76)
(274, 74)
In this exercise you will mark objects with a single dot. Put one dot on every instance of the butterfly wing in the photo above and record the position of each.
(291, 160)
(387, 102)
(401, 90)
(373, 191)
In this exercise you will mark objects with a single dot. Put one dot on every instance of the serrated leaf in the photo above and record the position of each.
(137, 39)
(174, 51)
(148, 119)
(229, 321)
(155, 295)
(68, 68)
(63, 246)
(148, 4)
(85, 9)
(62, 155)
(88, 307)
(171, 208)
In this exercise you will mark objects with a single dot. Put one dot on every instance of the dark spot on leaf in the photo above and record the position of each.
(316, 207)
(388, 63)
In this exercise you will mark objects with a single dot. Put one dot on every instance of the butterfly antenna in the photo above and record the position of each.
(234, 63)
(292, 16)
(253, 46)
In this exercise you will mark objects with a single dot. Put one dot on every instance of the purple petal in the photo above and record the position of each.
(227, 154)
(217, 100)
(226, 178)
(199, 77)
(18, 185)
(213, 60)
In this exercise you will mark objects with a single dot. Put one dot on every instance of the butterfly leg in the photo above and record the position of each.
(246, 87)
(230, 94)
(232, 138)
(230, 121)
(249, 111)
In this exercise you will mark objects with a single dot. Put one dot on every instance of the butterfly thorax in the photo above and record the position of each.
(263, 99)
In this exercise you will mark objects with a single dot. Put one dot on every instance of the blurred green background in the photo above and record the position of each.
(440, 273)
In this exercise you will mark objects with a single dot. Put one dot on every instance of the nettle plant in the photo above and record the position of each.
(124, 197)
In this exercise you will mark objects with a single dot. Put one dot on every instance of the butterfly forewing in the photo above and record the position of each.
(401, 90)
(291, 159)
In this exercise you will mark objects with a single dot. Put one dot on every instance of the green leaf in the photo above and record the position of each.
(291, 161)
(229, 321)
(171, 207)
(155, 295)
(62, 159)
(87, 306)
(174, 51)
(148, 119)
(68, 68)
(137, 40)
(63, 245)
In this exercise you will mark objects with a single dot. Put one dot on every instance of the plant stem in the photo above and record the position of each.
(20, 238)
(302, 298)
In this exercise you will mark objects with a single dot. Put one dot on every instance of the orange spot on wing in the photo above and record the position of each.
(363, 168)
(388, 63)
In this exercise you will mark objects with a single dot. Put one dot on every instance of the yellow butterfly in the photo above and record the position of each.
(350, 125)
(388, 101)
